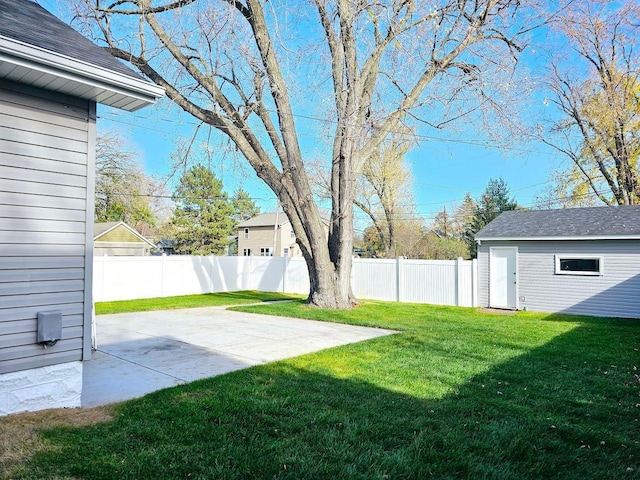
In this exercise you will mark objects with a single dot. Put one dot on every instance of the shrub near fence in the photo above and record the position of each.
(442, 282)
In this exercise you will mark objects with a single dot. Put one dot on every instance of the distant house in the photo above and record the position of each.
(165, 246)
(267, 235)
(51, 79)
(118, 238)
(580, 260)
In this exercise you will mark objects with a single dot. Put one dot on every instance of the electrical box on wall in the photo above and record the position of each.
(49, 327)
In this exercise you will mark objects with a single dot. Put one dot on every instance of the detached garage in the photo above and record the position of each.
(583, 261)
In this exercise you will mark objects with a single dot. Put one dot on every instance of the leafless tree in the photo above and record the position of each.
(256, 70)
(124, 192)
(595, 86)
(383, 191)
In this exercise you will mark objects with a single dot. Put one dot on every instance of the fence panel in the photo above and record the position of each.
(467, 284)
(442, 282)
(186, 275)
(297, 276)
(124, 278)
(429, 281)
(227, 274)
(266, 273)
(376, 279)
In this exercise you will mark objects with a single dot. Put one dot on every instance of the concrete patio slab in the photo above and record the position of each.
(142, 352)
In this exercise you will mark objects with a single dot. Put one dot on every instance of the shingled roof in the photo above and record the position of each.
(265, 220)
(38, 49)
(565, 224)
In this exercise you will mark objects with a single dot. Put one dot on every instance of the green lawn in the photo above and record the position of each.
(457, 394)
(190, 301)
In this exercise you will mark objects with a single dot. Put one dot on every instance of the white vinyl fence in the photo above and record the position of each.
(441, 282)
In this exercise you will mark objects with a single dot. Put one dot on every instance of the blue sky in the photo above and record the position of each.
(444, 168)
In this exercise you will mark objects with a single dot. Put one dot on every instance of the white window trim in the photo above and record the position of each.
(600, 259)
(246, 233)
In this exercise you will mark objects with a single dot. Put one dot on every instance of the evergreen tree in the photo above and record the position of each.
(244, 207)
(203, 217)
(492, 203)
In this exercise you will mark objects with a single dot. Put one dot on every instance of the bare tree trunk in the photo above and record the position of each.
(220, 63)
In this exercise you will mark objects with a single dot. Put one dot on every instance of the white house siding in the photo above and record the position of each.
(46, 194)
(615, 293)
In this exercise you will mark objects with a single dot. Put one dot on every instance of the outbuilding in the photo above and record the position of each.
(119, 239)
(583, 261)
(51, 79)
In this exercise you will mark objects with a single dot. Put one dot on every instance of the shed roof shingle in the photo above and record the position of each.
(590, 222)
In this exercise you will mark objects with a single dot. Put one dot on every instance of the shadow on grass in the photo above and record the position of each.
(549, 413)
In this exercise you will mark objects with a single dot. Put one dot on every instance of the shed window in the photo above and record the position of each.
(578, 265)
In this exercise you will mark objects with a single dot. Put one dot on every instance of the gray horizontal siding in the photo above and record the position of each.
(41, 299)
(30, 312)
(46, 177)
(30, 286)
(43, 224)
(29, 325)
(26, 250)
(23, 342)
(8, 200)
(615, 293)
(41, 263)
(34, 151)
(38, 275)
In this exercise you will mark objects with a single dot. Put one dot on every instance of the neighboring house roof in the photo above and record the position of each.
(38, 49)
(437, 233)
(592, 223)
(102, 229)
(265, 220)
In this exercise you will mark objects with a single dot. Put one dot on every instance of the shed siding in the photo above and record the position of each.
(615, 293)
(43, 223)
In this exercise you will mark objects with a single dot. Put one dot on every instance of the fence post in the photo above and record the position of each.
(474, 282)
(104, 277)
(247, 279)
(399, 278)
(164, 256)
(212, 263)
(458, 281)
(284, 273)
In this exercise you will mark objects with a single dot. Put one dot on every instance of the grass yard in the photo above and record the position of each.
(457, 394)
(190, 301)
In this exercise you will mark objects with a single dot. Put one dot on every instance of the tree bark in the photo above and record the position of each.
(249, 101)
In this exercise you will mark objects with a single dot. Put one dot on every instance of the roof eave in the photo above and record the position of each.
(562, 238)
(102, 80)
(127, 227)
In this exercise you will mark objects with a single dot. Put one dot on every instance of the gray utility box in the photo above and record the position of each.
(49, 327)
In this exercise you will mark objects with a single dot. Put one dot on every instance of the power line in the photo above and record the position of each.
(333, 123)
